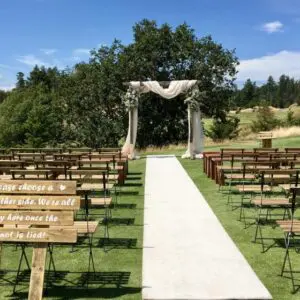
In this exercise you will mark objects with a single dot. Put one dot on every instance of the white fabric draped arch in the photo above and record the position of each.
(195, 141)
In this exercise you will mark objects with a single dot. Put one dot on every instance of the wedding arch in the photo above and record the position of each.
(175, 87)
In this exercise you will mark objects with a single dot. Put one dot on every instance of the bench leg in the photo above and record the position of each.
(23, 256)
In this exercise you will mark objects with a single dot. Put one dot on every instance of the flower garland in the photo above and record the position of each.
(131, 98)
(194, 98)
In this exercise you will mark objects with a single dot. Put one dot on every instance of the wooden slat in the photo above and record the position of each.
(39, 202)
(84, 227)
(253, 188)
(86, 171)
(239, 176)
(61, 218)
(100, 201)
(271, 202)
(31, 171)
(280, 171)
(286, 222)
(37, 272)
(286, 186)
(86, 187)
(39, 235)
(38, 187)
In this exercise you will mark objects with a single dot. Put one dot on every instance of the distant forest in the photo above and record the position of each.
(280, 94)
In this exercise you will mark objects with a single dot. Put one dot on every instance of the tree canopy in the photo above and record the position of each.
(83, 105)
(278, 94)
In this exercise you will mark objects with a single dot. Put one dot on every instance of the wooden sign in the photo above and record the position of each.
(39, 202)
(35, 187)
(39, 235)
(38, 212)
(50, 218)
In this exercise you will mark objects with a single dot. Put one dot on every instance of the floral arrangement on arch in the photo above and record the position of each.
(131, 98)
(194, 98)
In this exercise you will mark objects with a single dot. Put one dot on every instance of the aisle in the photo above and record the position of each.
(187, 254)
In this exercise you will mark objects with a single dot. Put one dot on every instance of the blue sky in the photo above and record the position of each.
(265, 33)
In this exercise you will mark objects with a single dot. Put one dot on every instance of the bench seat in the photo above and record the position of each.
(253, 188)
(271, 202)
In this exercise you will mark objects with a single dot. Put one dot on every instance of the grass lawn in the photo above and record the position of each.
(118, 269)
(246, 118)
(277, 143)
(266, 265)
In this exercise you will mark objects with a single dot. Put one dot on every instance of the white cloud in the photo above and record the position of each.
(258, 69)
(2, 66)
(272, 27)
(48, 51)
(80, 51)
(75, 58)
(31, 60)
(7, 87)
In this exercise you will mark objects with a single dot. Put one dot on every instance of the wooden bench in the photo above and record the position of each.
(104, 165)
(68, 156)
(90, 181)
(247, 170)
(98, 201)
(29, 156)
(32, 174)
(280, 176)
(36, 150)
(233, 158)
(7, 165)
(84, 227)
(79, 150)
(295, 150)
(6, 157)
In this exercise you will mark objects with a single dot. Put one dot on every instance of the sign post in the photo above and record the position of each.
(42, 212)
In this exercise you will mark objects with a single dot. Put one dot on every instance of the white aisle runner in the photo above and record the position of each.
(187, 253)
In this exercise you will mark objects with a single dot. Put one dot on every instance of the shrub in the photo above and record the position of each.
(292, 118)
(224, 129)
(265, 119)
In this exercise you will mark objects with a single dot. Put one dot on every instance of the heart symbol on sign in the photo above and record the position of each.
(62, 187)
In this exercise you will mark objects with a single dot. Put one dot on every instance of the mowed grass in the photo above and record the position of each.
(277, 143)
(246, 118)
(118, 270)
(266, 265)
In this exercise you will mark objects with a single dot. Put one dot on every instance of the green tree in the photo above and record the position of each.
(268, 91)
(221, 130)
(93, 91)
(265, 119)
(163, 54)
(287, 92)
(88, 97)
(31, 116)
(249, 94)
(20, 80)
(3, 95)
